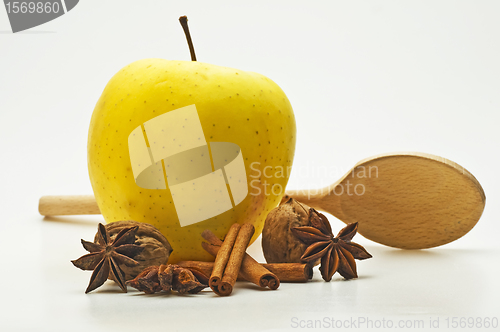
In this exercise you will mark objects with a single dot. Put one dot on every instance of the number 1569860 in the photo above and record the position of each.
(32, 7)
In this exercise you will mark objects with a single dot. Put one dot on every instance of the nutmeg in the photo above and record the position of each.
(279, 244)
(156, 251)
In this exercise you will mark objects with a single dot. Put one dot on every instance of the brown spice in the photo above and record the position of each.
(234, 264)
(250, 270)
(169, 277)
(229, 257)
(108, 256)
(337, 254)
(286, 272)
(222, 258)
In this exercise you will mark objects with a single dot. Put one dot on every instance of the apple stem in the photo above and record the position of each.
(184, 23)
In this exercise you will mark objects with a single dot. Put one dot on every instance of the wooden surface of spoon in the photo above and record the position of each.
(403, 200)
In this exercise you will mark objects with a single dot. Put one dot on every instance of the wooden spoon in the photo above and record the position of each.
(403, 200)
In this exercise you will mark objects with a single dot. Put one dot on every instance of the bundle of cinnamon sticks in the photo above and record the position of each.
(233, 263)
(231, 256)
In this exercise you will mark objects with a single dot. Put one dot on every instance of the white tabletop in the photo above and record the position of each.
(363, 77)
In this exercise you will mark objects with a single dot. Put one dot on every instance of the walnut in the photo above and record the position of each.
(156, 251)
(279, 244)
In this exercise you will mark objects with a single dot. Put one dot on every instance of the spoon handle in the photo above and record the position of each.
(322, 199)
(68, 205)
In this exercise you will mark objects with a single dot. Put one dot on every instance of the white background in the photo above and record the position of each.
(363, 77)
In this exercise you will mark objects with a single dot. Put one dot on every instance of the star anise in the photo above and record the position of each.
(169, 277)
(337, 253)
(106, 256)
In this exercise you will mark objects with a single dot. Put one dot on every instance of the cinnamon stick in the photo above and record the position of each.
(250, 270)
(286, 272)
(235, 260)
(291, 272)
(259, 275)
(222, 258)
(211, 237)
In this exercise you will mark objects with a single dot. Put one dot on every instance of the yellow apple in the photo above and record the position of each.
(238, 124)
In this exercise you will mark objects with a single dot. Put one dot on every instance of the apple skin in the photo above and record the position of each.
(235, 106)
